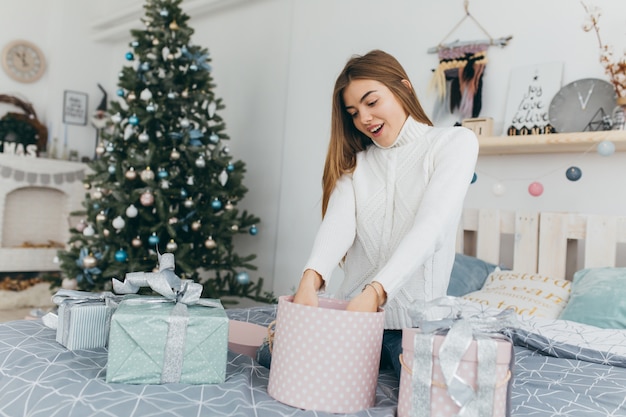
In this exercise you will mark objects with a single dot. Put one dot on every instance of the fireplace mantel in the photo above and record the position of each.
(25, 215)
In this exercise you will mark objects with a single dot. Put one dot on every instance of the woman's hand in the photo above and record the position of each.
(310, 283)
(372, 297)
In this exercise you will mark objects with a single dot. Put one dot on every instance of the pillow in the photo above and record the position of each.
(527, 293)
(598, 298)
(468, 274)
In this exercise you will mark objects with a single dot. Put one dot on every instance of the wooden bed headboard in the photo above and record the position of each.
(549, 243)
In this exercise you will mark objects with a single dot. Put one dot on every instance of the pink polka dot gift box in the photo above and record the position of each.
(325, 358)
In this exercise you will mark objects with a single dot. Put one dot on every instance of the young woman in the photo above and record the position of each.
(393, 191)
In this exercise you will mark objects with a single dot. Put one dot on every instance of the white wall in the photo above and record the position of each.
(275, 62)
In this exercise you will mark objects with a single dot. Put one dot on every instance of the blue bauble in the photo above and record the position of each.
(145, 66)
(121, 255)
(183, 193)
(164, 12)
(474, 178)
(573, 173)
(111, 169)
(193, 67)
(96, 206)
(133, 120)
(606, 148)
(153, 240)
(230, 167)
(216, 204)
(253, 230)
(134, 44)
(214, 138)
(243, 278)
(163, 174)
(129, 56)
(120, 92)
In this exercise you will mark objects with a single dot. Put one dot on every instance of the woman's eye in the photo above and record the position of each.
(353, 115)
(372, 103)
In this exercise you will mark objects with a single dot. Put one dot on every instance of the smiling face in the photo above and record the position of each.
(375, 110)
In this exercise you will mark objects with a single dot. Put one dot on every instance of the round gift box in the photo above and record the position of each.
(325, 358)
(245, 338)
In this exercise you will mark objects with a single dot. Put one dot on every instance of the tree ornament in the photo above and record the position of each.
(131, 211)
(234, 228)
(118, 222)
(171, 95)
(190, 180)
(229, 206)
(116, 118)
(174, 25)
(97, 194)
(153, 239)
(162, 173)
(100, 217)
(120, 93)
(498, 189)
(86, 186)
(226, 150)
(185, 93)
(151, 108)
(80, 226)
(200, 162)
(143, 137)
(165, 184)
(211, 109)
(146, 198)
(174, 155)
(243, 278)
(145, 66)
(155, 42)
(121, 255)
(210, 243)
(230, 167)
(184, 122)
(193, 67)
(131, 96)
(253, 230)
(535, 189)
(147, 175)
(164, 13)
(110, 148)
(145, 94)
(133, 120)
(69, 284)
(188, 203)
(213, 138)
(111, 169)
(106, 232)
(216, 204)
(131, 174)
(606, 148)
(223, 177)
(196, 225)
(171, 246)
(129, 56)
(136, 242)
(100, 149)
(573, 173)
(183, 193)
(89, 261)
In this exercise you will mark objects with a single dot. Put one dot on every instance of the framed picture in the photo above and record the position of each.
(75, 108)
(531, 89)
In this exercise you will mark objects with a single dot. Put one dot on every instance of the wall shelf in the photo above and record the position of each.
(552, 143)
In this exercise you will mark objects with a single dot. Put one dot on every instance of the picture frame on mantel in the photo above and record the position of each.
(75, 107)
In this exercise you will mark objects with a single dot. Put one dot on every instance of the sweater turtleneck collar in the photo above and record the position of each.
(410, 130)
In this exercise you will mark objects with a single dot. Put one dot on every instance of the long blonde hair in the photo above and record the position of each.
(345, 140)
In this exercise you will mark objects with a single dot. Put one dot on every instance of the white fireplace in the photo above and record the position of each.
(37, 196)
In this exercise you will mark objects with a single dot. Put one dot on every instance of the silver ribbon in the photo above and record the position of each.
(174, 290)
(461, 332)
(51, 320)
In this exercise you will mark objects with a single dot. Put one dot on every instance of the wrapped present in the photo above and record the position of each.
(456, 365)
(83, 318)
(175, 338)
(325, 358)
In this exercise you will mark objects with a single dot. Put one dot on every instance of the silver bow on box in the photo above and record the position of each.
(443, 316)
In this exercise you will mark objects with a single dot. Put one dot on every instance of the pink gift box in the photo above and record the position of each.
(441, 404)
(325, 358)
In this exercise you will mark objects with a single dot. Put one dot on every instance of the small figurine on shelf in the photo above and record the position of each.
(99, 120)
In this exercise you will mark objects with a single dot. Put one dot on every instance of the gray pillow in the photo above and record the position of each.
(468, 274)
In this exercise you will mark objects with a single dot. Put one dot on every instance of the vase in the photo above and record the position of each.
(619, 114)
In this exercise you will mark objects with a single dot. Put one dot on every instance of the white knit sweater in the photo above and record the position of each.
(395, 217)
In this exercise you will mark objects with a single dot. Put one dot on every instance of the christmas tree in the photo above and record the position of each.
(163, 180)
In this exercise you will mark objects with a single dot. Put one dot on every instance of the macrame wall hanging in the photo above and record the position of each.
(458, 79)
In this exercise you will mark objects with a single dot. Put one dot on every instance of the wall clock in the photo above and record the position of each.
(581, 106)
(23, 61)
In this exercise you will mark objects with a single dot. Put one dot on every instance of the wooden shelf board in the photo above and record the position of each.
(552, 143)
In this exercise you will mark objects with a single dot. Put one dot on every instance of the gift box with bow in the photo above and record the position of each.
(83, 318)
(176, 338)
(454, 365)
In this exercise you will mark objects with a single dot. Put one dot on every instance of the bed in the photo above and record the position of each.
(564, 366)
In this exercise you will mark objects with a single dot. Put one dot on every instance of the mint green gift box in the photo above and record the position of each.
(155, 341)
